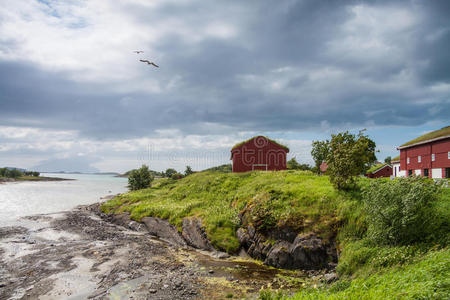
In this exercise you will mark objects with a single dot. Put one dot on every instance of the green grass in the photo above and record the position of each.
(426, 277)
(376, 168)
(428, 136)
(273, 141)
(298, 199)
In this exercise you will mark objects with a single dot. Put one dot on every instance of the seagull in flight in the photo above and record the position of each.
(138, 51)
(149, 62)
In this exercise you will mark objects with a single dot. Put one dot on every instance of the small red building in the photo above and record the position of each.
(381, 170)
(427, 155)
(259, 153)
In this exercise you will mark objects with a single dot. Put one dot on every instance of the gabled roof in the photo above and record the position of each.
(428, 137)
(395, 159)
(377, 168)
(270, 140)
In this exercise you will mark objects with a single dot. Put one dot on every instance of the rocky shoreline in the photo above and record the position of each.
(86, 254)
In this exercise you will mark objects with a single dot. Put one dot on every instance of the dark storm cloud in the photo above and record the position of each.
(228, 81)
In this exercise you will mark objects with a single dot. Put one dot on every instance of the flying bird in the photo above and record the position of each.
(149, 62)
(138, 51)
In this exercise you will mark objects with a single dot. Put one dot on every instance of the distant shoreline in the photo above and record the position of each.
(30, 178)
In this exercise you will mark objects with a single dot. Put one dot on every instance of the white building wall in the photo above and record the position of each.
(396, 172)
(417, 172)
(436, 173)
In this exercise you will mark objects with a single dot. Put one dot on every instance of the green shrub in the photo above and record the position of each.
(139, 179)
(400, 211)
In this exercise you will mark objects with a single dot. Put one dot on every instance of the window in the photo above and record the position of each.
(419, 159)
(425, 173)
(447, 172)
(407, 160)
(433, 157)
(448, 155)
(409, 172)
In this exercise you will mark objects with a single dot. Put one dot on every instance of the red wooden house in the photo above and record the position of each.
(259, 153)
(380, 170)
(427, 155)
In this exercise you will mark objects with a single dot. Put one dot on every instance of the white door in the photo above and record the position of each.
(436, 173)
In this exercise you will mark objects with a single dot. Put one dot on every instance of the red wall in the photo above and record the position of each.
(259, 151)
(384, 172)
(439, 148)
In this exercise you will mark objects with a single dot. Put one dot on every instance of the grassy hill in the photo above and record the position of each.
(306, 202)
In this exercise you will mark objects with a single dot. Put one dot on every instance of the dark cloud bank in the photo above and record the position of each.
(226, 84)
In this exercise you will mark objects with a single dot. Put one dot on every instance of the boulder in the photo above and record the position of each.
(164, 230)
(195, 235)
(279, 256)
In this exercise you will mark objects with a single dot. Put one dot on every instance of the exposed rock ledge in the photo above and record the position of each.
(285, 249)
(280, 248)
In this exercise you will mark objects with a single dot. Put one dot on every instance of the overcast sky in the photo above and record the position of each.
(74, 96)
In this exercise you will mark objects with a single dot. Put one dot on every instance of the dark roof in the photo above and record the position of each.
(273, 141)
(437, 134)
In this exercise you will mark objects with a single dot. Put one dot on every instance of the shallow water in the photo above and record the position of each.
(18, 199)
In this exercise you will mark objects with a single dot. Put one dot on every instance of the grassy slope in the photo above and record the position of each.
(297, 198)
(309, 202)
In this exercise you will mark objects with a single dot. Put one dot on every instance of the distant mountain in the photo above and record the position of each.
(14, 168)
(78, 164)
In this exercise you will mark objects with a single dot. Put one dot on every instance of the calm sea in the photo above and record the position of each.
(19, 199)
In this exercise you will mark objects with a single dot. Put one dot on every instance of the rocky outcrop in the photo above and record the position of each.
(164, 230)
(289, 250)
(195, 235)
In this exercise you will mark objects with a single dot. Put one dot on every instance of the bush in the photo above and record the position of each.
(176, 176)
(139, 179)
(400, 211)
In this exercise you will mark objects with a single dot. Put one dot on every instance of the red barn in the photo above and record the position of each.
(427, 155)
(380, 170)
(259, 153)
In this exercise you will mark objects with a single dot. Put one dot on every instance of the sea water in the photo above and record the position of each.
(18, 199)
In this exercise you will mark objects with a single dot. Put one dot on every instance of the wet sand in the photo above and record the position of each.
(78, 254)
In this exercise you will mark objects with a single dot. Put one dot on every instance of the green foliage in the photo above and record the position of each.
(188, 171)
(349, 156)
(31, 173)
(292, 164)
(387, 160)
(140, 178)
(426, 277)
(170, 172)
(320, 151)
(400, 211)
(10, 173)
(176, 176)
(227, 168)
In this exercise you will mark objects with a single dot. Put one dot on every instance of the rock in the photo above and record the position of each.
(211, 271)
(279, 256)
(2, 284)
(152, 291)
(330, 277)
(243, 237)
(163, 229)
(220, 255)
(195, 235)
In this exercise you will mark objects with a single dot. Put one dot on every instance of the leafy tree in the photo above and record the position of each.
(177, 176)
(292, 164)
(320, 151)
(188, 171)
(36, 174)
(388, 160)
(349, 156)
(170, 172)
(140, 178)
(400, 211)
(13, 173)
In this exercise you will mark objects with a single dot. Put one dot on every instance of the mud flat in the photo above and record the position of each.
(79, 254)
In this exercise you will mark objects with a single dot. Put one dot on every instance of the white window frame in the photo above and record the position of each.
(419, 159)
(448, 155)
(433, 157)
(407, 160)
